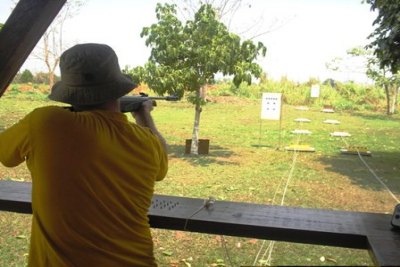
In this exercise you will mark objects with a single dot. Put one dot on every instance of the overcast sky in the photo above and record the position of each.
(311, 32)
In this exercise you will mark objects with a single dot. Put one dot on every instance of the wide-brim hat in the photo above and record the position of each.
(90, 74)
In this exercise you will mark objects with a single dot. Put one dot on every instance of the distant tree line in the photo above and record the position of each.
(26, 76)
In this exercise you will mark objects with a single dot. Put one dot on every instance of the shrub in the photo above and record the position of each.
(342, 96)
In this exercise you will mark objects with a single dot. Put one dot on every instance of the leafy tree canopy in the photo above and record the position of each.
(386, 43)
(185, 57)
(26, 76)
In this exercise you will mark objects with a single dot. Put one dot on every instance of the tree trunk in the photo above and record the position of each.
(387, 92)
(51, 79)
(194, 149)
(391, 98)
(393, 103)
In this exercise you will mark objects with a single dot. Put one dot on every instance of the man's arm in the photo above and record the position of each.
(144, 118)
(14, 143)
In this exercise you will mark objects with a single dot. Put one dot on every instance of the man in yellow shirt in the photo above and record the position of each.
(93, 172)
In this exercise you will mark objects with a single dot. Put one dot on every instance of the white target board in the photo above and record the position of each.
(315, 90)
(271, 106)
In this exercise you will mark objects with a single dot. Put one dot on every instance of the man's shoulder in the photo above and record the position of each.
(49, 110)
(48, 113)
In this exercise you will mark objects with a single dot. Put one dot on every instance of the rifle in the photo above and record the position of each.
(133, 103)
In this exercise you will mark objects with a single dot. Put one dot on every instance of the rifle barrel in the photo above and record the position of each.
(133, 103)
(168, 98)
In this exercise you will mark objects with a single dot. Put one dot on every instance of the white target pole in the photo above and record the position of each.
(315, 91)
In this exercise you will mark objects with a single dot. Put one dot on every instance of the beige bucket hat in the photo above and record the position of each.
(90, 74)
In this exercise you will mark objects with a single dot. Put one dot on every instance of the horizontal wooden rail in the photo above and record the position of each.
(360, 230)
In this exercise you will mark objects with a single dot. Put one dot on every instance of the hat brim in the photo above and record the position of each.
(91, 95)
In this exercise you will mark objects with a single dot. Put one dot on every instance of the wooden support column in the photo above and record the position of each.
(21, 32)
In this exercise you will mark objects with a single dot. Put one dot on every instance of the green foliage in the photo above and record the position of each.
(26, 77)
(38, 78)
(186, 57)
(381, 75)
(34, 92)
(43, 78)
(342, 96)
(386, 36)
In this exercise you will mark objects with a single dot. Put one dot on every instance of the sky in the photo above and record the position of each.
(303, 35)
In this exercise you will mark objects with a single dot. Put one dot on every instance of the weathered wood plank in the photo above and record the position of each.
(291, 224)
(21, 32)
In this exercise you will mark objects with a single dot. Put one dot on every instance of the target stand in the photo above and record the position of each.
(356, 150)
(300, 148)
(332, 122)
(302, 120)
(340, 134)
(305, 132)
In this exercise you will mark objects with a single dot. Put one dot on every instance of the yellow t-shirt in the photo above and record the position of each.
(93, 176)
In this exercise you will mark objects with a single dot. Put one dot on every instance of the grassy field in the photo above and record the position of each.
(244, 164)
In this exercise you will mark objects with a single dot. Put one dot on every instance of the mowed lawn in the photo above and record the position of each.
(247, 162)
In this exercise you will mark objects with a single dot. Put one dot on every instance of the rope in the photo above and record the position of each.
(271, 248)
(194, 213)
(227, 255)
(373, 173)
(271, 244)
(377, 178)
(206, 205)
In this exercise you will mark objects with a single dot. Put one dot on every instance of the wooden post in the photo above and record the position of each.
(21, 32)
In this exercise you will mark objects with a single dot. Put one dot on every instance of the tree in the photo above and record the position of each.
(1, 26)
(186, 57)
(26, 77)
(381, 75)
(52, 44)
(385, 67)
(388, 81)
(222, 8)
(227, 10)
(386, 36)
(43, 78)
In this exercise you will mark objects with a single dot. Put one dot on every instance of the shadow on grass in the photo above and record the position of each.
(216, 155)
(376, 116)
(383, 164)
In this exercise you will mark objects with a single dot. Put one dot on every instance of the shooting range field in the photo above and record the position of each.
(246, 164)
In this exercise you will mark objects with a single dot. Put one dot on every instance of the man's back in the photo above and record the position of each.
(93, 177)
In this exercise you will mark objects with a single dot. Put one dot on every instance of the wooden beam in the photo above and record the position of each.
(360, 230)
(21, 32)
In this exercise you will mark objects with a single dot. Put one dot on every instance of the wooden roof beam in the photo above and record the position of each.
(21, 32)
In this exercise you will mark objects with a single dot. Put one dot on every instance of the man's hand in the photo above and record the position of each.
(143, 114)
(147, 106)
(143, 118)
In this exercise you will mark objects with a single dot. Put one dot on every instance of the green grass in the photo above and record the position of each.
(244, 165)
